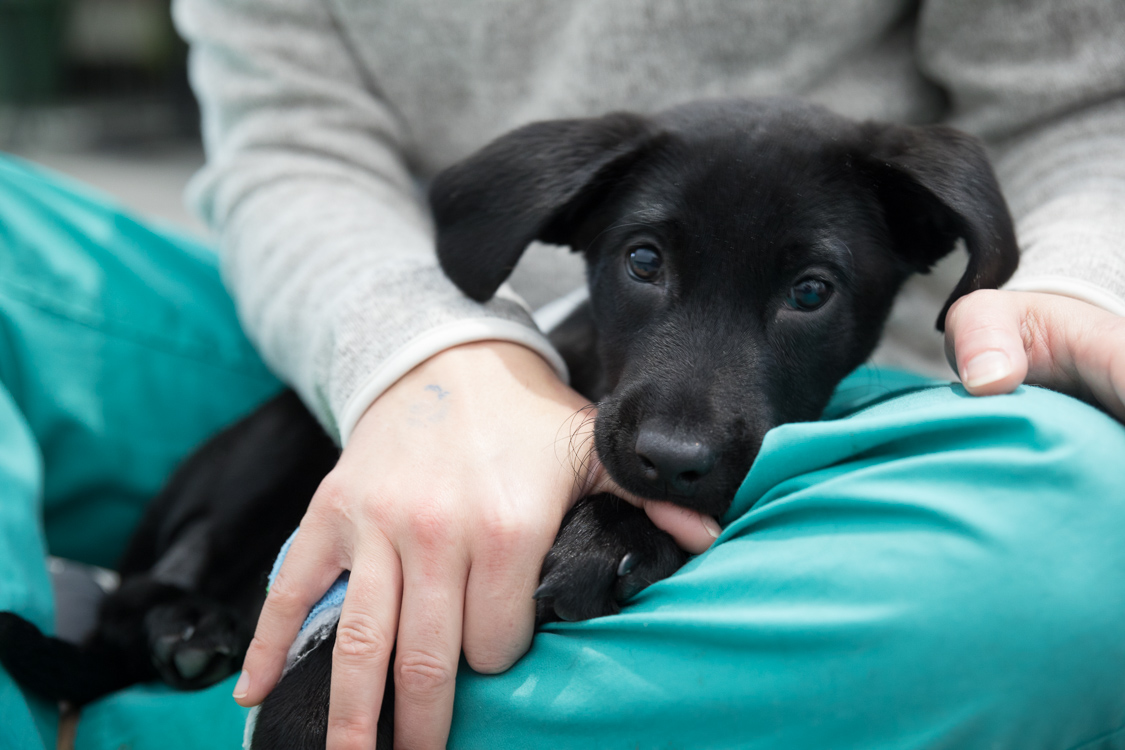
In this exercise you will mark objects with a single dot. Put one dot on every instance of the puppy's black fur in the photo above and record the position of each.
(193, 576)
(742, 258)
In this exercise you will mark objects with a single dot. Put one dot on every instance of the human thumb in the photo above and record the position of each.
(983, 342)
(693, 531)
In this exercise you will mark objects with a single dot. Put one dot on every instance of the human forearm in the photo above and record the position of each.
(343, 296)
(1066, 182)
(326, 243)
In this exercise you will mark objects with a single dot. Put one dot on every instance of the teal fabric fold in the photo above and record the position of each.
(120, 352)
(920, 569)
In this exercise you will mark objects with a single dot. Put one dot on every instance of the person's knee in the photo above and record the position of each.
(1030, 604)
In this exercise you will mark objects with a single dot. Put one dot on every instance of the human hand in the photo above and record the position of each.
(996, 340)
(443, 505)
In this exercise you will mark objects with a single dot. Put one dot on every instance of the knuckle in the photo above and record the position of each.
(505, 531)
(359, 638)
(332, 495)
(422, 674)
(285, 601)
(1035, 335)
(517, 533)
(338, 501)
(351, 731)
(489, 661)
(372, 511)
(432, 527)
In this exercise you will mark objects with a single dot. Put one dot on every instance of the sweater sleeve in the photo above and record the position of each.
(1044, 84)
(326, 242)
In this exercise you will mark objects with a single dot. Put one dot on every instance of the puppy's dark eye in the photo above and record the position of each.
(808, 294)
(644, 264)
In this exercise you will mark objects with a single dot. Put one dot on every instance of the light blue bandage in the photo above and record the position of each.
(321, 620)
(322, 617)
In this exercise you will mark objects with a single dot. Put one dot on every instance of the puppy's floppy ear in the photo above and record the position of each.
(531, 184)
(936, 186)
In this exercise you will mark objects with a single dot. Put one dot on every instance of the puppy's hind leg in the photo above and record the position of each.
(57, 670)
(295, 714)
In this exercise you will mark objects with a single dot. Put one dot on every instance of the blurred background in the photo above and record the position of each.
(97, 89)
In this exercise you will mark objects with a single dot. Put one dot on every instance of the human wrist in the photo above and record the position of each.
(384, 373)
(487, 376)
(478, 363)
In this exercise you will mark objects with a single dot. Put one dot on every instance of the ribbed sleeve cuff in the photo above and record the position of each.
(1073, 288)
(1075, 246)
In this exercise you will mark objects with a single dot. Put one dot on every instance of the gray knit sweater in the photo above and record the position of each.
(323, 117)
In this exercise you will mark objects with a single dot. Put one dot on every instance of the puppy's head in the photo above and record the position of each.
(742, 257)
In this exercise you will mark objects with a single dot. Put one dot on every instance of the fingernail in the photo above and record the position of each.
(986, 368)
(242, 687)
(712, 526)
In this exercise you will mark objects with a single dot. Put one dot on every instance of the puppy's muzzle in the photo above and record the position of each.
(673, 461)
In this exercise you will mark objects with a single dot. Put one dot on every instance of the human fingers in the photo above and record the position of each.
(1076, 348)
(499, 603)
(693, 531)
(1099, 359)
(984, 342)
(435, 570)
(1066, 344)
(364, 639)
(309, 569)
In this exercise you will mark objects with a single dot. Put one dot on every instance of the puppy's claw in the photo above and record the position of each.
(547, 588)
(625, 567)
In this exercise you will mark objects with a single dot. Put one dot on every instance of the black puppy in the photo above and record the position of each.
(742, 257)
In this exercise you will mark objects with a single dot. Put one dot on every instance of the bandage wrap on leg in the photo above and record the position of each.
(319, 624)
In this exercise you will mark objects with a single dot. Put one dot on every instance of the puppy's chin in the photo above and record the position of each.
(616, 436)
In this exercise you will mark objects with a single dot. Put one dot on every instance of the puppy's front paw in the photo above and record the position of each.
(606, 551)
(194, 643)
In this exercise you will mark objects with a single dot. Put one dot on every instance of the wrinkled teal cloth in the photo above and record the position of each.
(926, 570)
(919, 569)
(119, 353)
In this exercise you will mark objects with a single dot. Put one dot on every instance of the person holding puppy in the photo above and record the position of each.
(321, 119)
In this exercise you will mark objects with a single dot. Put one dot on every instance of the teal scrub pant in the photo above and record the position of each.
(919, 569)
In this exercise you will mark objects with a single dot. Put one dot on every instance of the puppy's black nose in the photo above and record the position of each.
(673, 459)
